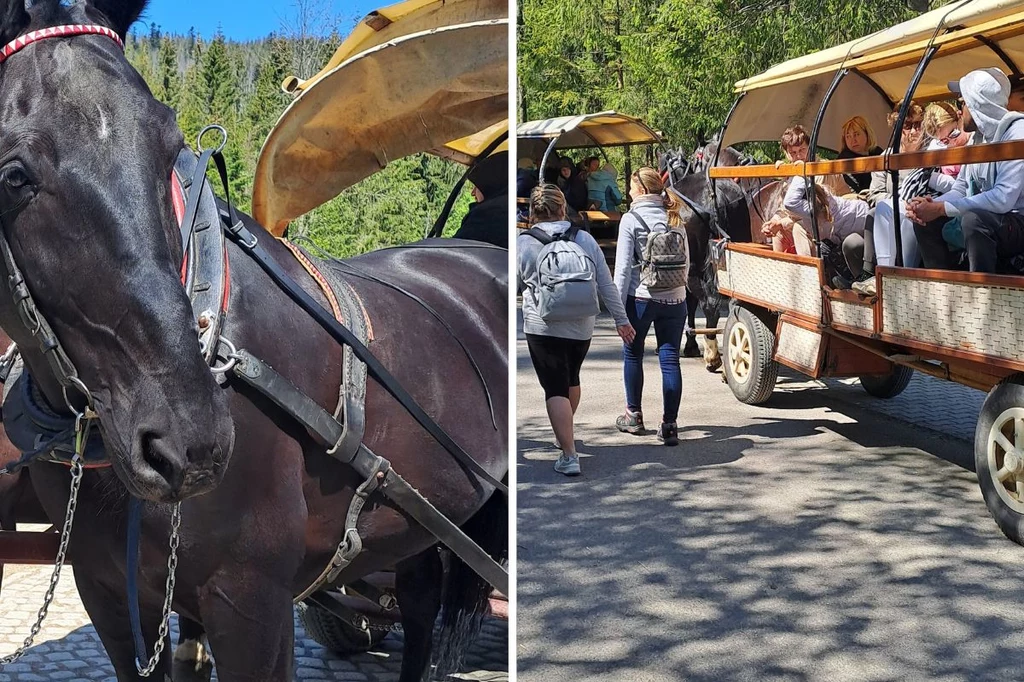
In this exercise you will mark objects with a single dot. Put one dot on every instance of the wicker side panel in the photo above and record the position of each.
(967, 317)
(853, 315)
(798, 347)
(783, 285)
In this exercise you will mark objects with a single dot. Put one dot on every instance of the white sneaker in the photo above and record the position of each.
(568, 464)
(867, 287)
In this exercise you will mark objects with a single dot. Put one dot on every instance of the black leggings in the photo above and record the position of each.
(557, 362)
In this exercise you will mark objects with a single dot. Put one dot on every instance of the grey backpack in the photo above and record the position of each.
(568, 278)
(665, 259)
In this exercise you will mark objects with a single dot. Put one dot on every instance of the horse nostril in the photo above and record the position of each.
(156, 453)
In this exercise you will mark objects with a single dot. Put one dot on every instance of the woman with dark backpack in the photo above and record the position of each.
(651, 267)
(561, 275)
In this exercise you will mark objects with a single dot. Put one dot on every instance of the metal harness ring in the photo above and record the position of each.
(232, 357)
(223, 137)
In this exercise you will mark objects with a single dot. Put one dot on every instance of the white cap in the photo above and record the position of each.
(990, 84)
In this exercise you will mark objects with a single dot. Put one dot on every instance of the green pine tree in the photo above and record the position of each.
(169, 80)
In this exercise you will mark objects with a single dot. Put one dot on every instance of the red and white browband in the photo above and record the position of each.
(57, 32)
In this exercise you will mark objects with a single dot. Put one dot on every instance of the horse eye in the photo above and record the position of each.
(15, 178)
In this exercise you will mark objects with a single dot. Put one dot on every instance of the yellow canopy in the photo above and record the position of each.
(973, 35)
(401, 19)
(404, 82)
(466, 149)
(604, 129)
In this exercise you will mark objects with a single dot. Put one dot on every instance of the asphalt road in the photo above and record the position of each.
(823, 536)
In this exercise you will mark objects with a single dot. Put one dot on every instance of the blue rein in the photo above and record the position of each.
(134, 533)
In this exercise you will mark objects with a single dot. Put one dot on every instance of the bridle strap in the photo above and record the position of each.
(67, 31)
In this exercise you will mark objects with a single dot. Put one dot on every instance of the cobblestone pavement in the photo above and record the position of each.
(68, 647)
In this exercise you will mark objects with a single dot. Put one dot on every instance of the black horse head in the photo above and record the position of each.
(676, 164)
(86, 155)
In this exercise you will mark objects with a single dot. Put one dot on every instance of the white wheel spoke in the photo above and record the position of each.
(1020, 490)
(1003, 442)
(1003, 474)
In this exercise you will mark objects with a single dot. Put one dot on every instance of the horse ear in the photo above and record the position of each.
(14, 19)
(120, 14)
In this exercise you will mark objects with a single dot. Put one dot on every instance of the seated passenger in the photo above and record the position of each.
(858, 141)
(572, 184)
(841, 223)
(943, 124)
(1016, 101)
(526, 177)
(881, 231)
(788, 235)
(487, 219)
(987, 197)
(779, 228)
(602, 189)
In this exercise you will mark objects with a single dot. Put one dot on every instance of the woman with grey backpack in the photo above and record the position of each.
(651, 267)
(561, 275)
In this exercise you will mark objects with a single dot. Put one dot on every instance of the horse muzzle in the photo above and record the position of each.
(172, 455)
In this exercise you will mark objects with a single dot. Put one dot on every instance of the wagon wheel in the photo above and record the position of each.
(337, 635)
(887, 385)
(750, 370)
(999, 455)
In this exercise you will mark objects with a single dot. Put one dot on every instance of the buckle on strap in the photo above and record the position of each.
(351, 544)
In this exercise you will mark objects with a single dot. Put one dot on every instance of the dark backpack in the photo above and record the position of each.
(665, 259)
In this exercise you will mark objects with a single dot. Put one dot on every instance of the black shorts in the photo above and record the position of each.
(558, 362)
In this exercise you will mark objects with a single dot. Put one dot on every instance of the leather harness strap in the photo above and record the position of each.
(317, 276)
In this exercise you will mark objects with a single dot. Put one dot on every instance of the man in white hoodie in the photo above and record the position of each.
(988, 197)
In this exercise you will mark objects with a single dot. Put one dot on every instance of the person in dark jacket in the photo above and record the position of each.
(572, 184)
(487, 220)
(526, 177)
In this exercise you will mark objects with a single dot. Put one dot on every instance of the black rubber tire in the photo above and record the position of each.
(334, 634)
(1006, 394)
(764, 371)
(887, 385)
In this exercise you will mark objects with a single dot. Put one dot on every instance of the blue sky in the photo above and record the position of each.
(245, 19)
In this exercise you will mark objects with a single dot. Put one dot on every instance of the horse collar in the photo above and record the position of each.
(205, 272)
(20, 43)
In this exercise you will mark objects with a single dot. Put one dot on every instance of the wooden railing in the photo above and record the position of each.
(982, 153)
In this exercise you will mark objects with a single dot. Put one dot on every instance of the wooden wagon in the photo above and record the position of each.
(960, 326)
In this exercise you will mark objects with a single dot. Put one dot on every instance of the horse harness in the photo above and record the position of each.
(205, 275)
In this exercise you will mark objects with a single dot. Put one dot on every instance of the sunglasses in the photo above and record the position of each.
(913, 125)
(639, 181)
(952, 136)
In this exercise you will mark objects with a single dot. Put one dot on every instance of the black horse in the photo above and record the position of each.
(729, 216)
(86, 154)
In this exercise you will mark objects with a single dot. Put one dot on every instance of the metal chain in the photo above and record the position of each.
(165, 623)
(65, 537)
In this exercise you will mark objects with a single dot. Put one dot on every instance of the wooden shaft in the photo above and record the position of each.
(34, 549)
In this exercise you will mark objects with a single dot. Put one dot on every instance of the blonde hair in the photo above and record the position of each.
(547, 204)
(862, 123)
(649, 180)
(939, 115)
(822, 203)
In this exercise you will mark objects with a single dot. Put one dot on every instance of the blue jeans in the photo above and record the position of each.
(668, 321)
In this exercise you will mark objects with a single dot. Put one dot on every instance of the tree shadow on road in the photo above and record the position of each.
(784, 549)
